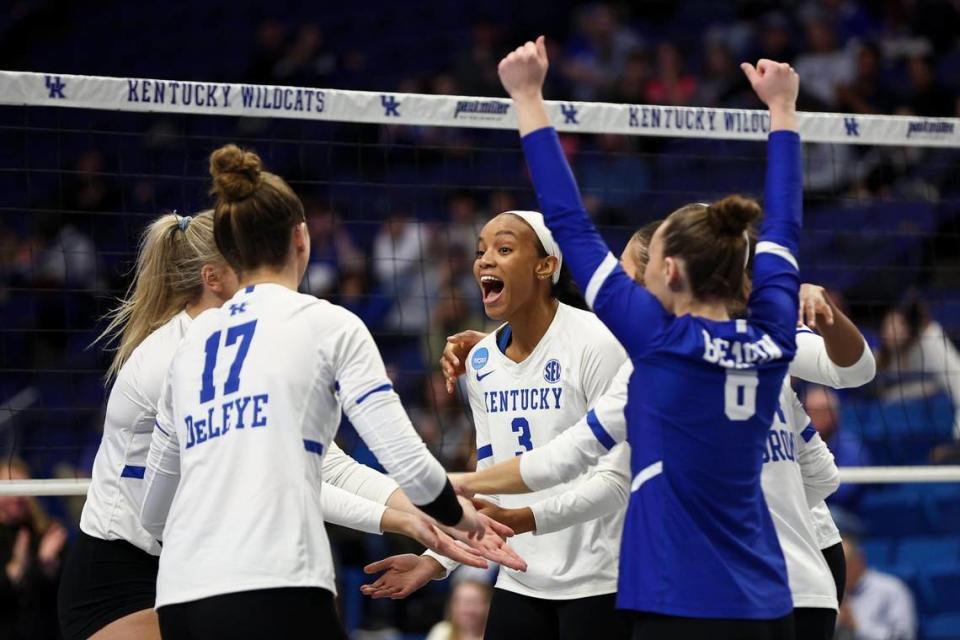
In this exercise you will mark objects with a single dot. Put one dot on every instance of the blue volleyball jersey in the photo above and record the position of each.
(698, 539)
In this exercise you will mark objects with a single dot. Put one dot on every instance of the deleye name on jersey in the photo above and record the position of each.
(246, 411)
(236, 413)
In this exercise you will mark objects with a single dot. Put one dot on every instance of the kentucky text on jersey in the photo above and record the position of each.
(544, 398)
(246, 411)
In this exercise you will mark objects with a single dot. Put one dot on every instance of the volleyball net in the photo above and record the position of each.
(396, 187)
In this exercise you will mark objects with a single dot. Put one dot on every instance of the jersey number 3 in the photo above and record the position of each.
(740, 395)
(243, 332)
(521, 427)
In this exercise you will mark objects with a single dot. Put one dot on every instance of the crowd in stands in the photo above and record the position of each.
(72, 205)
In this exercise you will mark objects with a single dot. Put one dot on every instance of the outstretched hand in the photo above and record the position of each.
(815, 306)
(403, 574)
(524, 69)
(493, 544)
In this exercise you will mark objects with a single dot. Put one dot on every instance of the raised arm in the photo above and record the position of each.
(616, 299)
(774, 301)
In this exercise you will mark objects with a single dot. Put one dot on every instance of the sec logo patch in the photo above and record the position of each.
(551, 372)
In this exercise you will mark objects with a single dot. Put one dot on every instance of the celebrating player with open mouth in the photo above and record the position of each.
(536, 374)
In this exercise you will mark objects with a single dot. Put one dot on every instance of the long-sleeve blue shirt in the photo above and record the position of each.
(698, 539)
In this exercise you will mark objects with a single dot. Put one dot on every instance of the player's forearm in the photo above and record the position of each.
(844, 342)
(783, 118)
(349, 510)
(500, 478)
(531, 112)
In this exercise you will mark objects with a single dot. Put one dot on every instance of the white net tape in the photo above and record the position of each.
(216, 98)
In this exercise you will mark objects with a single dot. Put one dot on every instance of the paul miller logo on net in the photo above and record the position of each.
(930, 127)
(481, 109)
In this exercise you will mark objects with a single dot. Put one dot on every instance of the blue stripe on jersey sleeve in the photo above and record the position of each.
(805, 330)
(602, 435)
(313, 446)
(484, 452)
(133, 471)
(808, 433)
(618, 301)
(160, 429)
(381, 388)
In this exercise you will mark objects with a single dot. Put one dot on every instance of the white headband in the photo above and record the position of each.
(535, 220)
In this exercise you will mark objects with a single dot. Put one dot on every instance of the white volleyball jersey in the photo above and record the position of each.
(115, 495)
(250, 405)
(798, 473)
(518, 407)
(112, 510)
(828, 534)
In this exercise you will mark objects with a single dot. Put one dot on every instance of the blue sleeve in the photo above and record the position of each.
(774, 302)
(618, 301)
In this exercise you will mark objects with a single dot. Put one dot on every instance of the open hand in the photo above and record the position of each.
(493, 544)
(403, 574)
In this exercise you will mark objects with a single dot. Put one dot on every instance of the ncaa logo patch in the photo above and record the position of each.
(480, 357)
(551, 372)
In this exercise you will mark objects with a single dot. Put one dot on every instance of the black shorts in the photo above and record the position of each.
(838, 567)
(103, 581)
(516, 616)
(292, 612)
(652, 626)
(814, 624)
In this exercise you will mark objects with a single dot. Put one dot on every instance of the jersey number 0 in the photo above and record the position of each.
(243, 332)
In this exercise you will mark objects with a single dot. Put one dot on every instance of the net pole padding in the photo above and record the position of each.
(848, 475)
(339, 105)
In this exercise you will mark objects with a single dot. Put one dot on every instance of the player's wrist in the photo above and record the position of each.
(432, 568)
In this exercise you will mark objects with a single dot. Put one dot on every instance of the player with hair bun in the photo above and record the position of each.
(700, 554)
(536, 374)
(108, 588)
(245, 420)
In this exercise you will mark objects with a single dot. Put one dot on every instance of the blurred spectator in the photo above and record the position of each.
(917, 360)
(722, 83)
(776, 39)
(823, 407)
(31, 551)
(267, 52)
(925, 96)
(866, 93)
(443, 423)
(400, 263)
(305, 62)
(877, 606)
(466, 613)
(599, 53)
(671, 84)
(631, 84)
(476, 68)
(62, 255)
(613, 177)
(331, 250)
(825, 66)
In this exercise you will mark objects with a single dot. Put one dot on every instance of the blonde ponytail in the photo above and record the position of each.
(166, 278)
